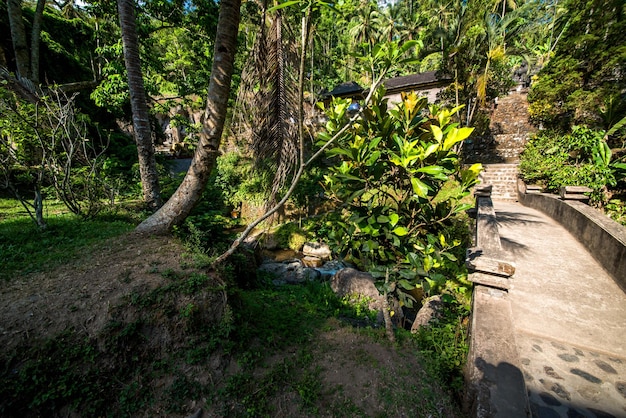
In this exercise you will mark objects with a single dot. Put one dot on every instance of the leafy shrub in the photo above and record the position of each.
(580, 158)
(240, 181)
(616, 209)
(399, 184)
(444, 344)
(291, 236)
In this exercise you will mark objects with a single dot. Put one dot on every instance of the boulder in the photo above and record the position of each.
(316, 249)
(292, 272)
(431, 309)
(310, 261)
(349, 281)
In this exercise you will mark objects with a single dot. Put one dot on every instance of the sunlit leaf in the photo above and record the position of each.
(400, 231)
(419, 187)
(437, 133)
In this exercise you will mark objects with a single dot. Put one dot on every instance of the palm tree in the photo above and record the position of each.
(34, 42)
(141, 121)
(27, 63)
(366, 30)
(178, 207)
(412, 24)
(390, 23)
(18, 37)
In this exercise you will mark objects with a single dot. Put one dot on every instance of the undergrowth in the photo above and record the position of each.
(118, 371)
(163, 349)
(25, 248)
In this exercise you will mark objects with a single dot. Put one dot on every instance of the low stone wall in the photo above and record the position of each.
(604, 238)
(494, 384)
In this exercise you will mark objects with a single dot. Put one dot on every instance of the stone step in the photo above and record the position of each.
(503, 178)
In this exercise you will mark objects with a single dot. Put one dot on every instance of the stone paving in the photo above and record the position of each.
(569, 319)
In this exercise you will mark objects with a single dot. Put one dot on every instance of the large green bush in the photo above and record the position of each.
(580, 158)
(400, 189)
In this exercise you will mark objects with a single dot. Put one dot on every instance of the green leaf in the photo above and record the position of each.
(437, 133)
(419, 187)
(283, 5)
(456, 135)
(373, 158)
(374, 143)
(405, 284)
(432, 170)
(338, 151)
(463, 206)
(393, 219)
(470, 175)
(431, 149)
(408, 45)
(449, 256)
(400, 231)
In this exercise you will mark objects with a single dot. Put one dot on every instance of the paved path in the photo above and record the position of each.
(569, 319)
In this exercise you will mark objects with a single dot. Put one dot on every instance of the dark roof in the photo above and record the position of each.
(414, 81)
(349, 88)
(403, 83)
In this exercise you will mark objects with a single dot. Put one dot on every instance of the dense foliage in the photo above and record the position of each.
(579, 158)
(400, 190)
(584, 82)
(579, 97)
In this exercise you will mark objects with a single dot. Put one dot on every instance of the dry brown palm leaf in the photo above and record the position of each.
(268, 101)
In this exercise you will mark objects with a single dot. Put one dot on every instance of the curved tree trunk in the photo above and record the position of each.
(34, 41)
(18, 37)
(178, 207)
(141, 121)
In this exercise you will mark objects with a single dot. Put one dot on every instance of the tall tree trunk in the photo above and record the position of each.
(3, 58)
(18, 37)
(141, 121)
(178, 207)
(34, 41)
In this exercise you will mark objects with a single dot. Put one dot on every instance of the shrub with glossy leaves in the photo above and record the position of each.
(400, 187)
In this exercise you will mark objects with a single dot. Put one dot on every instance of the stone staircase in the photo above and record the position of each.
(499, 148)
(503, 178)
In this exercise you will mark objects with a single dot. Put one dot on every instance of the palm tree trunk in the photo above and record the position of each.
(18, 37)
(34, 41)
(178, 207)
(141, 121)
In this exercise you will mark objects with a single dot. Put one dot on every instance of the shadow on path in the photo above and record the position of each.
(513, 247)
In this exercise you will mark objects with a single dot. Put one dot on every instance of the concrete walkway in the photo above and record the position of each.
(569, 319)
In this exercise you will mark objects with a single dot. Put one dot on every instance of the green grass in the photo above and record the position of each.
(24, 248)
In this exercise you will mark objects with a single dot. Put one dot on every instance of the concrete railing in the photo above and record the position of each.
(494, 383)
(604, 238)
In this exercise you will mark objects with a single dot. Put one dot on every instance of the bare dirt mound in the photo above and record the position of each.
(80, 294)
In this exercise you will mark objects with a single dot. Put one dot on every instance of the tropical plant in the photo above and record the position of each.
(399, 186)
(587, 71)
(579, 158)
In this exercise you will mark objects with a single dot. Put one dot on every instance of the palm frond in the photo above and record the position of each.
(268, 101)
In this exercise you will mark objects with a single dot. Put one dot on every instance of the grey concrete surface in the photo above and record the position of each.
(495, 381)
(569, 319)
(603, 238)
